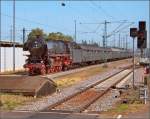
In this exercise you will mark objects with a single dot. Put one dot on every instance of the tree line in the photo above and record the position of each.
(51, 36)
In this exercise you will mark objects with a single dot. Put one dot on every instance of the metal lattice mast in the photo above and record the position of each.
(75, 34)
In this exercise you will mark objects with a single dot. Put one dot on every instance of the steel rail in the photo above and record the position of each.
(103, 92)
(83, 107)
(81, 91)
(86, 89)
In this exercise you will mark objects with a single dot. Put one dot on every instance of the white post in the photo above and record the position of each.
(13, 35)
(0, 34)
(145, 95)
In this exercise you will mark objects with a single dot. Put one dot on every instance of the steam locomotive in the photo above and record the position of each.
(57, 55)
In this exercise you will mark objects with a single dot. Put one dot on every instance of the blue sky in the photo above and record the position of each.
(52, 17)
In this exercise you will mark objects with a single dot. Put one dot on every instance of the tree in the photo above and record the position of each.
(33, 34)
(32, 37)
(59, 36)
(68, 38)
(51, 36)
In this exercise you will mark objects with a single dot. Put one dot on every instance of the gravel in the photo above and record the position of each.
(113, 96)
(64, 93)
(106, 102)
(47, 101)
(79, 102)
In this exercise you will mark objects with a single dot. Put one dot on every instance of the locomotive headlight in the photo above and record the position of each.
(35, 44)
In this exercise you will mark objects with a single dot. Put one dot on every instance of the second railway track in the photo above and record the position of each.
(80, 102)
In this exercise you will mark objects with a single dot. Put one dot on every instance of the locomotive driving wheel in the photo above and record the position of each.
(49, 71)
(64, 68)
(60, 68)
(43, 71)
(30, 72)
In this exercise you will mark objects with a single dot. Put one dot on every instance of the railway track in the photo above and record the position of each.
(81, 101)
(51, 101)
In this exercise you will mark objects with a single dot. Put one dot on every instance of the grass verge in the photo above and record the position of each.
(9, 101)
(74, 78)
(133, 103)
(125, 108)
(71, 79)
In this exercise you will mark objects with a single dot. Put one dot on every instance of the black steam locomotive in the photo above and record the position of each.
(57, 55)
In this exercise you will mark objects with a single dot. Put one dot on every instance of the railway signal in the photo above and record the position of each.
(133, 34)
(142, 38)
(142, 35)
(142, 25)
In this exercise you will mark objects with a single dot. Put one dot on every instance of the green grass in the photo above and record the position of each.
(9, 101)
(121, 108)
(72, 79)
(9, 105)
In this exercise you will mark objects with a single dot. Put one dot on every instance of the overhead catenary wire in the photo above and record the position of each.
(120, 21)
(78, 12)
(114, 22)
(116, 29)
(82, 16)
(97, 28)
(35, 22)
(102, 10)
(91, 30)
(124, 27)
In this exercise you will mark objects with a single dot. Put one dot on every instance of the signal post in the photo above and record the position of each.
(141, 35)
(133, 34)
